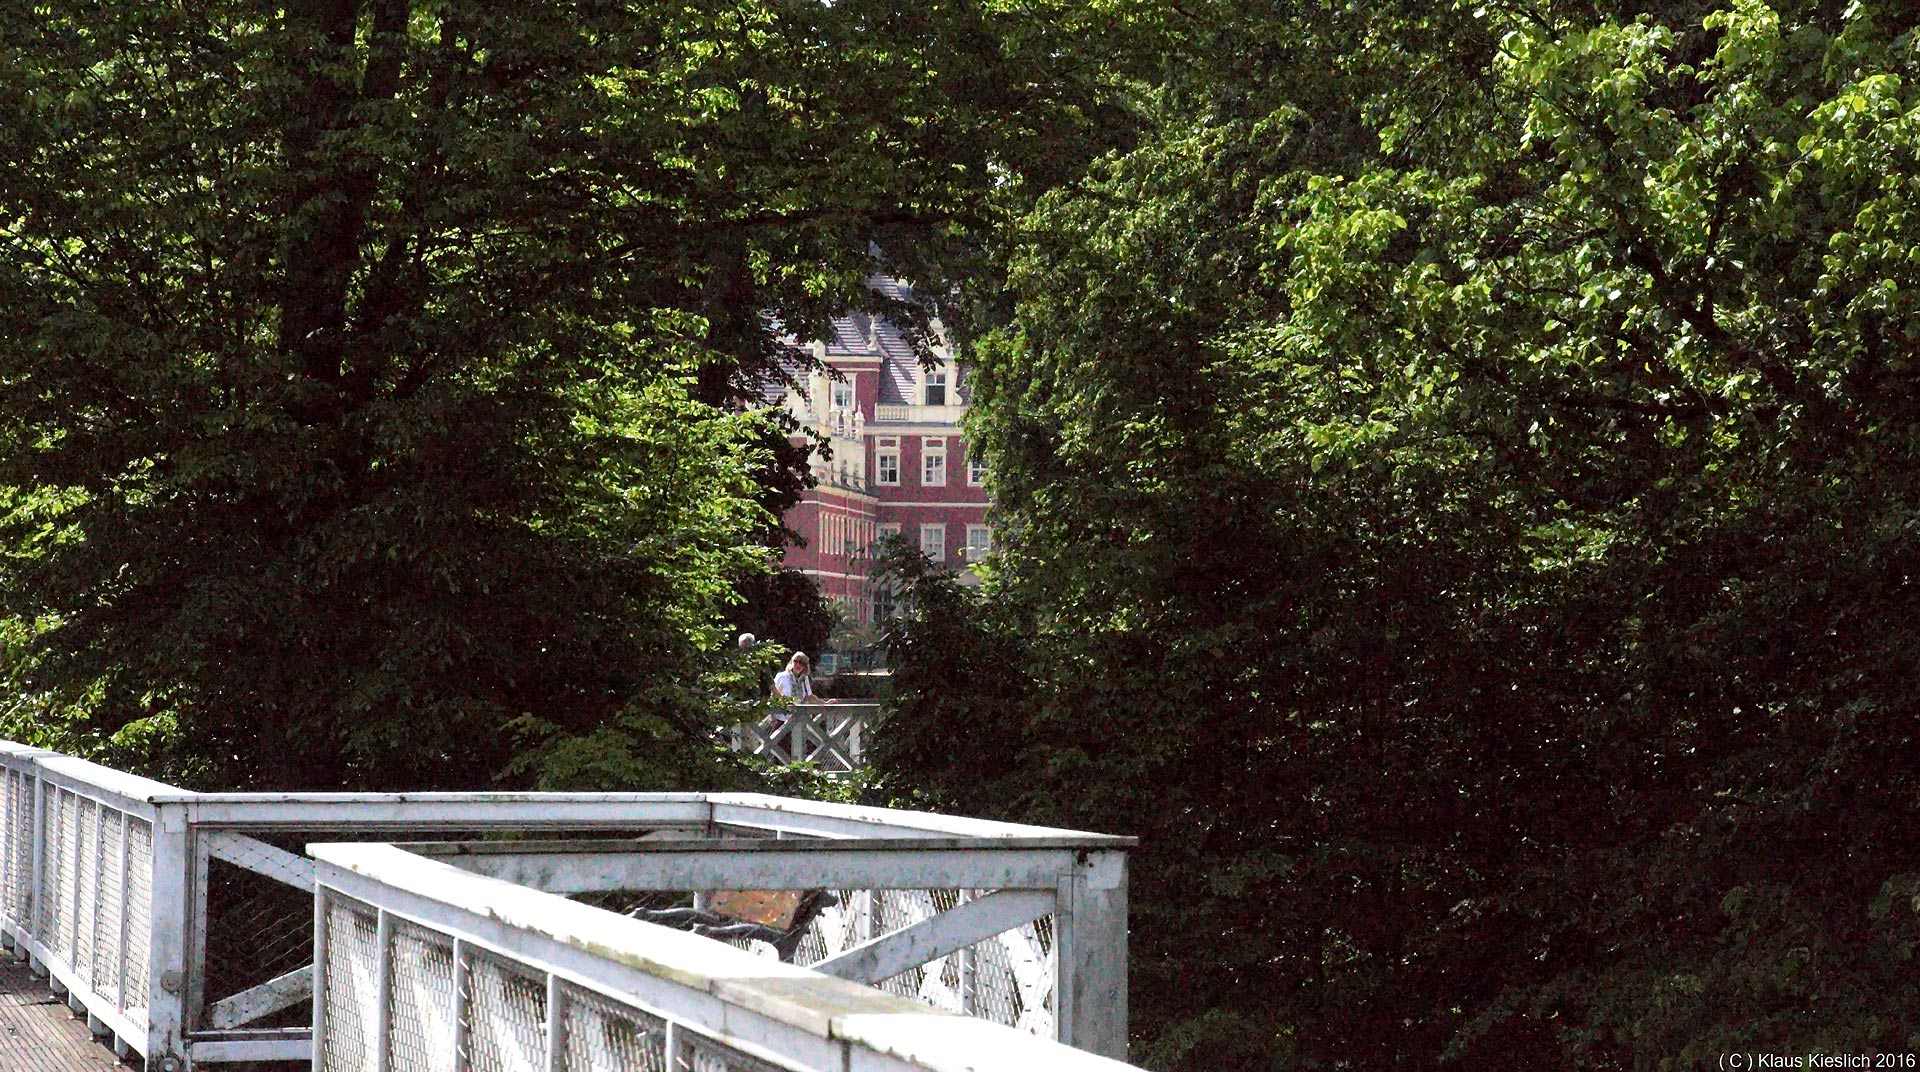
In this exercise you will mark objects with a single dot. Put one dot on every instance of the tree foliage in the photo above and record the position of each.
(1457, 487)
(368, 406)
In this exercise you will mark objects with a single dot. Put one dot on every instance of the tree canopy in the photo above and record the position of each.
(1457, 492)
(369, 406)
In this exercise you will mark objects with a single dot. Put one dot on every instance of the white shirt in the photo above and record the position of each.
(792, 686)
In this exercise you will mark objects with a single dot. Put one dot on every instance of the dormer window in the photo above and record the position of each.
(936, 387)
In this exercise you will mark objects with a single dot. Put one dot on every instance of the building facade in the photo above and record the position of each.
(896, 462)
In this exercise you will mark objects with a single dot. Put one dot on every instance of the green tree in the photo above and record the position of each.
(368, 407)
(1457, 481)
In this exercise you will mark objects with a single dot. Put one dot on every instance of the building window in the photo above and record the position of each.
(936, 387)
(889, 530)
(842, 394)
(933, 541)
(979, 542)
(886, 460)
(886, 605)
(976, 467)
(933, 462)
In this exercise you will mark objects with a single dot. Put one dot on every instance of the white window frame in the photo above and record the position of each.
(891, 528)
(843, 394)
(936, 380)
(933, 462)
(886, 449)
(938, 530)
(976, 468)
(980, 548)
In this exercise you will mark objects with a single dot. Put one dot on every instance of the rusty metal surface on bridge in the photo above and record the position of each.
(38, 1034)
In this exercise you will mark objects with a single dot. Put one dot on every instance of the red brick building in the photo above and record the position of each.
(896, 464)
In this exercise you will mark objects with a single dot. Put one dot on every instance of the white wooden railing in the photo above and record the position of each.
(181, 924)
(831, 736)
(428, 967)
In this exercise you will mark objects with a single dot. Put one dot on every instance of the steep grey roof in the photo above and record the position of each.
(861, 334)
(852, 337)
(897, 371)
(772, 388)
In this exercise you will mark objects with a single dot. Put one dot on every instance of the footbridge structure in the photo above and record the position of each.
(523, 932)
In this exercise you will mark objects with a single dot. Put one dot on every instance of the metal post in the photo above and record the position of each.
(382, 1026)
(965, 959)
(35, 901)
(86, 971)
(196, 992)
(556, 1025)
(120, 928)
(321, 922)
(1066, 947)
(1091, 952)
(172, 892)
(462, 1008)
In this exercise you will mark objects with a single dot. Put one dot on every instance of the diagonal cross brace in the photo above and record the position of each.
(259, 857)
(257, 1002)
(963, 925)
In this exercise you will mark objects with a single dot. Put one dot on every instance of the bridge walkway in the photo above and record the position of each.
(38, 1033)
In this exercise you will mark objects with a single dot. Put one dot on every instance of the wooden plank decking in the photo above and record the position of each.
(38, 1034)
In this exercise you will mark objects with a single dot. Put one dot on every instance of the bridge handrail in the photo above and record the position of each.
(605, 978)
(105, 880)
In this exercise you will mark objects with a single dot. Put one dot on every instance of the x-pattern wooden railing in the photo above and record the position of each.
(832, 736)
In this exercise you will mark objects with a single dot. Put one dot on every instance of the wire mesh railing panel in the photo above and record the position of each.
(18, 859)
(1012, 978)
(57, 870)
(352, 986)
(107, 923)
(1008, 979)
(937, 982)
(424, 1003)
(86, 883)
(602, 1035)
(139, 896)
(258, 928)
(507, 1016)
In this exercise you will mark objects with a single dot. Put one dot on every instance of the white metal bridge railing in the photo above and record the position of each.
(182, 924)
(429, 968)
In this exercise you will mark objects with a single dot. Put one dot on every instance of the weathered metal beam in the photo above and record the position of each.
(1091, 951)
(827, 819)
(278, 1044)
(404, 811)
(253, 1003)
(117, 789)
(957, 928)
(259, 857)
(749, 865)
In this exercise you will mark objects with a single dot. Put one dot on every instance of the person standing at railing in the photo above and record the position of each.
(795, 683)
